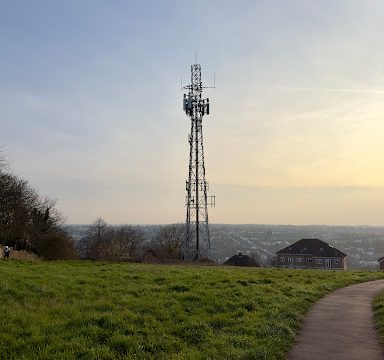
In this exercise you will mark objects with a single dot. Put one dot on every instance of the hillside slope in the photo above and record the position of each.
(85, 310)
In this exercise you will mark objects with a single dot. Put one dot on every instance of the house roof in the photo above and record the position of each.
(241, 260)
(380, 259)
(313, 247)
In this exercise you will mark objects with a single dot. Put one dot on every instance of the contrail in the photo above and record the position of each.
(295, 88)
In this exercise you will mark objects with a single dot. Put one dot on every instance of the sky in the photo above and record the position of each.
(91, 107)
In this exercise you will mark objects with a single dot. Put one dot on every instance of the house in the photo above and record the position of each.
(381, 262)
(241, 260)
(311, 254)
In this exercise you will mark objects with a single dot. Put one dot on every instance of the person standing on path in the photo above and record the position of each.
(7, 251)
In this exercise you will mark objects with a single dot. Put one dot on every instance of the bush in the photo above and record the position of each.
(56, 246)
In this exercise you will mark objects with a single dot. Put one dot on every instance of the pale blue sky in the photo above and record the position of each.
(91, 107)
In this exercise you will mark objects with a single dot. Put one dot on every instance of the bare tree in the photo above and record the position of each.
(106, 242)
(122, 243)
(256, 257)
(167, 244)
(25, 217)
(89, 246)
(3, 161)
(17, 201)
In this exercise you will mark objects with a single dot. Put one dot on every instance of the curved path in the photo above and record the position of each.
(340, 326)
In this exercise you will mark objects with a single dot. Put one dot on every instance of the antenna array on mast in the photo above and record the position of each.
(197, 243)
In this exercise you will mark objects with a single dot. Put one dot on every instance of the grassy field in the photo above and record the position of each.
(85, 310)
(378, 308)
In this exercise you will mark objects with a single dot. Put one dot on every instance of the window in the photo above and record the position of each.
(290, 260)
(299, 259)
(309, 260)
(337, 261)
(319, 261)
(282, 259)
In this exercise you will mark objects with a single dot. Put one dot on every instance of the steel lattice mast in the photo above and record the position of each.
(197, 242)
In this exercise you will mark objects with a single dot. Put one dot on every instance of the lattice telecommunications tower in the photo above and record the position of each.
(197, 242)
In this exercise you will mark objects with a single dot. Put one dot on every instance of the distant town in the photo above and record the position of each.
(363, 244)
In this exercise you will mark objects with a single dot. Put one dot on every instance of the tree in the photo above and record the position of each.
(56, 245)
(26, 218)
(106, 242)
(17, 201)
(89, 247)
(3, 161)
(168, 242)
(256, 257)
(122, 243)
(97, 229)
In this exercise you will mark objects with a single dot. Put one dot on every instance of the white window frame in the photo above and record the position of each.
(299, 259)
(282, 259)
(337, 261)
(290, 260)
(319, 261)
(309, 260)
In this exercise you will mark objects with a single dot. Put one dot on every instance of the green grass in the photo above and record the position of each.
(86, 310)
(378, 312)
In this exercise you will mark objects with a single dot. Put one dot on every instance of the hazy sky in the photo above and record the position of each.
(91, 110)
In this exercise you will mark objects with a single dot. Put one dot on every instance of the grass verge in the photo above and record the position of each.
(95, 310)
(378, 313)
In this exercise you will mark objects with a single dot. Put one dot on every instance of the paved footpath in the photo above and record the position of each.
(340, 326)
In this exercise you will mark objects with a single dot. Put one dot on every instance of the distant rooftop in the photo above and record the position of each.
(315, 247)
